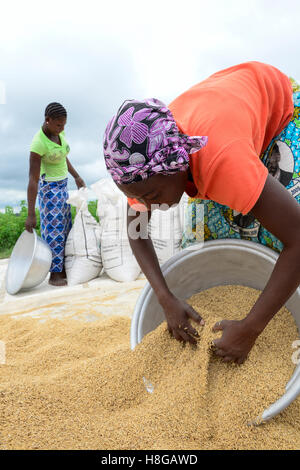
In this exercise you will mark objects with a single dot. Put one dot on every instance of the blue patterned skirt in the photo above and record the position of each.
(55, 218)
(282, 158)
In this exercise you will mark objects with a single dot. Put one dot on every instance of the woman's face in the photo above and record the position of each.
(56, 126)
(158, 189)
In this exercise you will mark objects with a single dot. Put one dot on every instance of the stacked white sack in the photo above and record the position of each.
(82, 251)
(166, 229)
(118, 260)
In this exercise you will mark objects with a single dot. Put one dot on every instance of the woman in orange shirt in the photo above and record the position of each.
(208, 143)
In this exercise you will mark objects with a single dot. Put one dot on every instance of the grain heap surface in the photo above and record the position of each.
(69, 384)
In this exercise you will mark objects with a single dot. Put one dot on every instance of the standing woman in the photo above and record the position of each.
(48, 176)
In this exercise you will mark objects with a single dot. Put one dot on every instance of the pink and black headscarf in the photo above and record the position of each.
(143, 139)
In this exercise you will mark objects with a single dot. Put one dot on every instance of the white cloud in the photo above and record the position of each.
(90, 172)
(6, 123)
(2, 92)
(11, 197)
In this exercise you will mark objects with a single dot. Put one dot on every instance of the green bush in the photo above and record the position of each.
(12, 225)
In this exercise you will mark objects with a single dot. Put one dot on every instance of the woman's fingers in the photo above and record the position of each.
(190, 330)
(186, 333)
(228, 359)
(219, 326)
(220, 352)
(179, 325)
(217, 344)
(195, 315)
(176, 335)
(240, 360)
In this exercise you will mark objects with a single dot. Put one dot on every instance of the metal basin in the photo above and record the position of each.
(216, 263)
(29, 263)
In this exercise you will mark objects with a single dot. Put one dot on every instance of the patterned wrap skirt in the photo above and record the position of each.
(282, 158)
(55, 218)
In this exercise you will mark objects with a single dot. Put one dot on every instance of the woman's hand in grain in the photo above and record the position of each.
(177, 314)
(236, 341)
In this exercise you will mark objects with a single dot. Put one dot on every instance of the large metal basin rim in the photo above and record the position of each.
(25, 235)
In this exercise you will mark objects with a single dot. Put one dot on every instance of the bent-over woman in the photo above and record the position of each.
(216, 142)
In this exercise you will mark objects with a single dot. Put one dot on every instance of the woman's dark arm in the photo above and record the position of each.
(145, 254)
(32, 189)
(78, 180)
(279, 213)
(177, 312)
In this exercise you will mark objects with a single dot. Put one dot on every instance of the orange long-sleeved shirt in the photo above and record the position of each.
(241, 109)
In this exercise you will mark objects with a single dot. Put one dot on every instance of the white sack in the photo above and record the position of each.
(166, 229)
(82, 251)
(118, 260)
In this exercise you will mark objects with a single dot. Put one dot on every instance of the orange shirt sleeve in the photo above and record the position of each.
(237, 177)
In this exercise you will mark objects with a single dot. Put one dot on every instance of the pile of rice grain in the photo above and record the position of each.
(70, 384)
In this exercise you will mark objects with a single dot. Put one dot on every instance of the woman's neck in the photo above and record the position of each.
(46, 131)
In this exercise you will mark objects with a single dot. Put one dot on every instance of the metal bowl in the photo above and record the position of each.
(220, 262)
(29, 263)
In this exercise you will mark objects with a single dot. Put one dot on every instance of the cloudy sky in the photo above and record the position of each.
(92, 55)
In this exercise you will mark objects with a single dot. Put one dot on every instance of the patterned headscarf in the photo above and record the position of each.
(143, 139)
